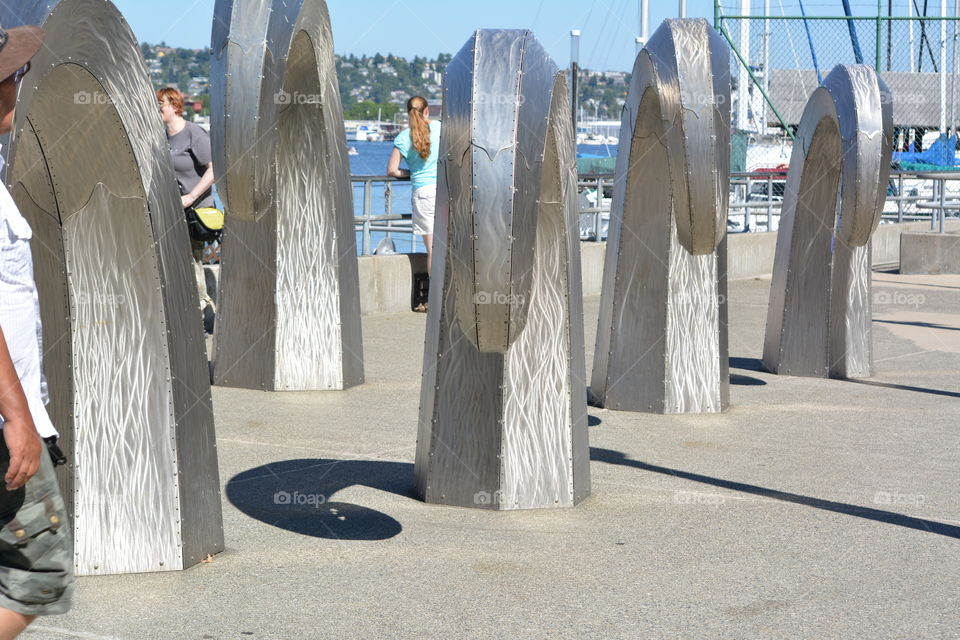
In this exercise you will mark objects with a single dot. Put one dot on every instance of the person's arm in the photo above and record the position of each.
(393, 166)
(206, 181)
(203, 157)
(19, 432)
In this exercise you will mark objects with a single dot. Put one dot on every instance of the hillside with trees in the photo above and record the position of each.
(370, 86)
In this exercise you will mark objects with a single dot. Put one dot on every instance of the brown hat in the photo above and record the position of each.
(17, 46)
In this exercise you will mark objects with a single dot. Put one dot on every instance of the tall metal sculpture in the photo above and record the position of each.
(662, 336)
(125, 358)
(819, 318)
(503, 422)
(289, 313)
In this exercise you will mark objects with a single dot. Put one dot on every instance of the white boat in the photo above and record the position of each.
(368, 133)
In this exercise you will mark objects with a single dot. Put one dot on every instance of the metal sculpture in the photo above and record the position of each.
(289, 313)
(503, 422)
(662, 336)
(819, 317)
(125, 357)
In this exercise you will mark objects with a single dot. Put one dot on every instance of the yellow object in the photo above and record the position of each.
(211, 218)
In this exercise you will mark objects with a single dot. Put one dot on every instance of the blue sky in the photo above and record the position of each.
(428, 27)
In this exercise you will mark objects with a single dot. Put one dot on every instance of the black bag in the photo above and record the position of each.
(199, 231)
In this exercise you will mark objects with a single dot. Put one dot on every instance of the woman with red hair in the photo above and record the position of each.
(419, 145)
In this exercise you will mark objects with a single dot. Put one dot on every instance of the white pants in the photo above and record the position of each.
(424, 204)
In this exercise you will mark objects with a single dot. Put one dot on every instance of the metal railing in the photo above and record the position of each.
(388, 222)
(911, 197)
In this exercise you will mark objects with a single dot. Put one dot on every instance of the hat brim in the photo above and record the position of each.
(22, 44)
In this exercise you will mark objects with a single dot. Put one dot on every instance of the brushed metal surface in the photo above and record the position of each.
(289, 313)
(819, 315)
(124, 351)
(503, 400)
(662, 333)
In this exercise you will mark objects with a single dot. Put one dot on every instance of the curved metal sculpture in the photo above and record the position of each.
(662, 336)
(90, 169)
(503, 421)
(819, 318)
(289, 314)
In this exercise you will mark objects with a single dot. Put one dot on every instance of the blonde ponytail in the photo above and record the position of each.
(419, 129)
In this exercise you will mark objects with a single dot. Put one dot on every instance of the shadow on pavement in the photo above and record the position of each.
(746, 381)
(903, 387)
(888, 517)
(295, 495)
(925, 325)
(747, 364)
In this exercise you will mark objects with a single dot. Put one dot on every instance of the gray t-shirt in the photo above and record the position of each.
(190, 150)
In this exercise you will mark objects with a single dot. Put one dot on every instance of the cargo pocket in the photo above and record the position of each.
(35, 555)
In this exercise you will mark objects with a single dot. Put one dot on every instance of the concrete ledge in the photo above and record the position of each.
(930, 252)
(386, 282)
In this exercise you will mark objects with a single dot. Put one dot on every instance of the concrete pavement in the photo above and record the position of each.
(812, 509)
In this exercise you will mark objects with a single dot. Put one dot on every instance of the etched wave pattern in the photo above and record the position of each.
(537, 429)
(851, 348)
(693, 327)
(308, 345)
(125, 457)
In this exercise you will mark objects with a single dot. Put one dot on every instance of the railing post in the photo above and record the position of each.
(943, 205)
(598, 215)
(900, 197)
(367, 211)
(388, 206)
(769, 200)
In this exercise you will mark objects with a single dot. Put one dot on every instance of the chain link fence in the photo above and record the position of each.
(778, 59)
(781, 59)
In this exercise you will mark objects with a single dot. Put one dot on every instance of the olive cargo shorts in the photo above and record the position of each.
(36, 552)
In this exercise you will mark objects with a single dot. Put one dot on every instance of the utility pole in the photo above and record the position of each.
(645, 20)
(943, 68)
(766, 64)
(743, 78)
(575, 76)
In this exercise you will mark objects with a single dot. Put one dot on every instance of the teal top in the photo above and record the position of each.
(423, 173)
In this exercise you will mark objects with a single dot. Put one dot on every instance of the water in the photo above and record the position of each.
(372, 161)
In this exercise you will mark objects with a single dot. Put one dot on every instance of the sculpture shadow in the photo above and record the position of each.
(593, 421)
(930, 526)
(747, 364)
(925, 325)
(295, 495)
(746, 381)
(904, 387)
